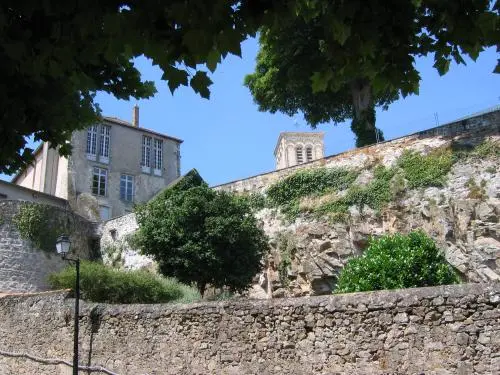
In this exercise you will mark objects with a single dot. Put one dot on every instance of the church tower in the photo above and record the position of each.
(295, 148)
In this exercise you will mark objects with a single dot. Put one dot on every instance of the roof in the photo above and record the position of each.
(282, 134)
(117, 121)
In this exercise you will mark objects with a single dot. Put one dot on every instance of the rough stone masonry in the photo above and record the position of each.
(439, 330)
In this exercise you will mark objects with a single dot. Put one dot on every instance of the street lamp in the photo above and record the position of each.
(63, 246)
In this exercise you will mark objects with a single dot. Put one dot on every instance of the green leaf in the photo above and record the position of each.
(200, 83)
(213, 59)
(175, 77)
(230, 41)
(442, 65)
(340, 31)
(320, 80)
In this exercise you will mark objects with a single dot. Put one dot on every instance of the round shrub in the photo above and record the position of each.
(99, 283)
(397, 261)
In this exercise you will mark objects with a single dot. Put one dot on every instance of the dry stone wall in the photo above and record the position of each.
(23, 267)
(439, 330)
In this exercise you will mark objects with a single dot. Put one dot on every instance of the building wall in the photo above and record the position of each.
(9, 191)
(23, 267)
(125, 158)
(470, 130)
(439, 330)
(115, 247)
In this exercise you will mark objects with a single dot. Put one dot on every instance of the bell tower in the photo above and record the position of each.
(295, 148)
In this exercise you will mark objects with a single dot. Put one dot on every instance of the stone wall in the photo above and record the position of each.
(24, 268)
(115, 247)
(471, 129)
(440, 330)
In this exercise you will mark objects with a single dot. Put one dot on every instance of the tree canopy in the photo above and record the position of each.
(199, 235)
(55, 55)
(337, 60)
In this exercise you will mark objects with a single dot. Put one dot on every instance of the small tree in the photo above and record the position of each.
(203, 236)
(397, 261)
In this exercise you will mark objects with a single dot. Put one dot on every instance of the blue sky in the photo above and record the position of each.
(227, 138)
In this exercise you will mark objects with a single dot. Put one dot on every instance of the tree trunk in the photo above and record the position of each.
(363, 118)
(201, 286)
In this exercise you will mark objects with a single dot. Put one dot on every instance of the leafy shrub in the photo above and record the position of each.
(426, 170)
(99, 283)
(397, 261)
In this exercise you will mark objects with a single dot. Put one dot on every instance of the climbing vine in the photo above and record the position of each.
(286, 247)
(34, 223)
(287, 193)
(316, 191)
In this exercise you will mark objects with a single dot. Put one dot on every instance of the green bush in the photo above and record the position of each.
(426, 170)
(99, 283)
(397, 261)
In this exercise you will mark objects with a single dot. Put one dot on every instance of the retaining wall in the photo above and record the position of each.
(470, 130)
(439, 330)
(23, 267)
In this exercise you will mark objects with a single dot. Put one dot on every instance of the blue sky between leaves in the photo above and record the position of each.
(227, 138)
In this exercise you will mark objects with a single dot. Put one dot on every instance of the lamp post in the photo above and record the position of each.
(63, 246)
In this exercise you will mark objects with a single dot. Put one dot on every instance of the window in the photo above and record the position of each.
(146, 154)
(127, 187)
(92, 142)
(309, 154)
(298, 153)
(92, 135)
(105, 212)
(157, 156)
(104, 144)
(99, 181)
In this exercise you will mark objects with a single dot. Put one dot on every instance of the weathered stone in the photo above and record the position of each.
(312, 335)
(485, 212)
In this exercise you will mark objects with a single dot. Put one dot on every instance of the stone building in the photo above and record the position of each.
(114, 164)
(295, 148)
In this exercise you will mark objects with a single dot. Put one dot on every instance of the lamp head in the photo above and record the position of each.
(63, 245)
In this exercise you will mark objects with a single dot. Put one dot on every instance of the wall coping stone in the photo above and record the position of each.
(371, 301)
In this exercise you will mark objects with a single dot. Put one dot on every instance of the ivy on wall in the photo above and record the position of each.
(411, 171)
(36, 223)
(286, 245)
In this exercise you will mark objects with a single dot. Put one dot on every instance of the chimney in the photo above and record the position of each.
(135, 116)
